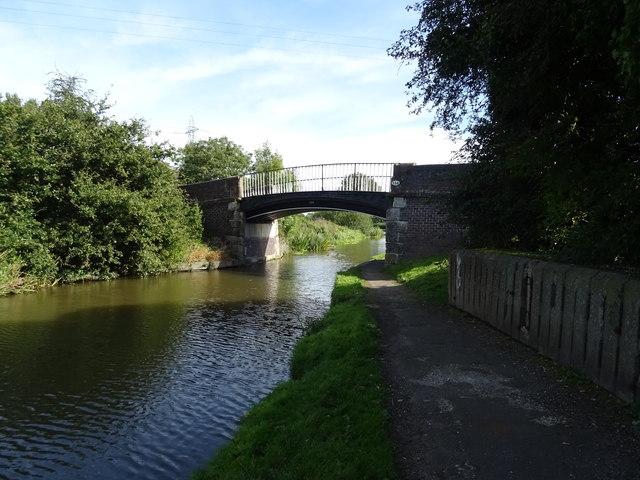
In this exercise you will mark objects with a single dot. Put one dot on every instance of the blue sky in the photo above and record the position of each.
(311, 77)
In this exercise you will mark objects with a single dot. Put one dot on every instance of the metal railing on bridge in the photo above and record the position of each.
(349, 177)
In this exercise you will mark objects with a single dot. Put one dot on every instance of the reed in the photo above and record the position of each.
(12, 279)
(201, 252)
(303, 234)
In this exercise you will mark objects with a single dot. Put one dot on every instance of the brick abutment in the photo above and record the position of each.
(416, 220)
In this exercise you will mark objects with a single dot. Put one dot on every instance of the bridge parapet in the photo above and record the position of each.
(228, 189)
(242, 211)
(343, 177)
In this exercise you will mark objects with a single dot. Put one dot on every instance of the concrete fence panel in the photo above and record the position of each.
(585, 318)
(557, 304)
(579, 318)
(512, 328)
(537, 272)
(629, 355)
(595, 326)
(611, 331)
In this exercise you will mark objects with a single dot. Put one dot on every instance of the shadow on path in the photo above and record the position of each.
(467, 402)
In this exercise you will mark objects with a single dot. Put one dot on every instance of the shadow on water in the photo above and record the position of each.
(81, 349)
(134, 385)
(123, 389)
(145, 378)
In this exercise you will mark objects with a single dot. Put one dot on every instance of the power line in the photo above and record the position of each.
(171, 17)
(190, 40)
(186, 28)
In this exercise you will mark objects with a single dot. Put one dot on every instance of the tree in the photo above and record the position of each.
(82, 195)
(265, 159)
(273, 178)
(359, 182)
(212, 158)
(546, 94)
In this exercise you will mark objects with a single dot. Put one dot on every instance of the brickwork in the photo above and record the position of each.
(215, 190)
(222, 218)
(417, 223)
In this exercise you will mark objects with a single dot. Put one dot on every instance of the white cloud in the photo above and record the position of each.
(413, 145)
(312, 107)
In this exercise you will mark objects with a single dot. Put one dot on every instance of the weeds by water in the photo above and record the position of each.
(12, 279)
(329, 421)
(201, 252)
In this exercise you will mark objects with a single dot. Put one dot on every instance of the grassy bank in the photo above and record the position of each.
(317, 234)
(328, 421)
(427, 276)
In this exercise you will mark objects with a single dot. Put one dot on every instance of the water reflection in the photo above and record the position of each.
(145, 378)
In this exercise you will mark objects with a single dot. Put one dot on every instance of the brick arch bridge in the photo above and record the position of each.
(242, 212)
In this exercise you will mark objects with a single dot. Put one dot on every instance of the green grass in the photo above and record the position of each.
(328, 421)
(307, 234)
(429, 277)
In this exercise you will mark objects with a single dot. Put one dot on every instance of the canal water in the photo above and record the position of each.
(146, 378)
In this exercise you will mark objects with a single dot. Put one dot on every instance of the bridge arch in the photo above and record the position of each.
(271, 207)
(243, 211)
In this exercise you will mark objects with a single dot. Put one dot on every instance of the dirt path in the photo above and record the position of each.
(469, 403)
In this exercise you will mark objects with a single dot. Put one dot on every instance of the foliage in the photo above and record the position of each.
(329, 421)
(274, 178)
(429, 277)
(84, 196)
(627, 47)
(359, 182)
(265, 159)
(212, 158)
(304, 234)
(547, 94)
(353, 220)
(11, 278)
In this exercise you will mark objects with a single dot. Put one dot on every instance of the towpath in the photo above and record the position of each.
(466, 402)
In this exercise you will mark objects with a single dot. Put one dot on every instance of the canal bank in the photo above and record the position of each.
(466, 402)
(463, 402)
(329, 420)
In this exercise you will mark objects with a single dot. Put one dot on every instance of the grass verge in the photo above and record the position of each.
(328, 421)
(429, 277)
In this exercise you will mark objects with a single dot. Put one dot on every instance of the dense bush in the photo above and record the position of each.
(82, 195)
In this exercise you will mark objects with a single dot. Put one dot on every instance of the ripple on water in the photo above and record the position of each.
(150, 388)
